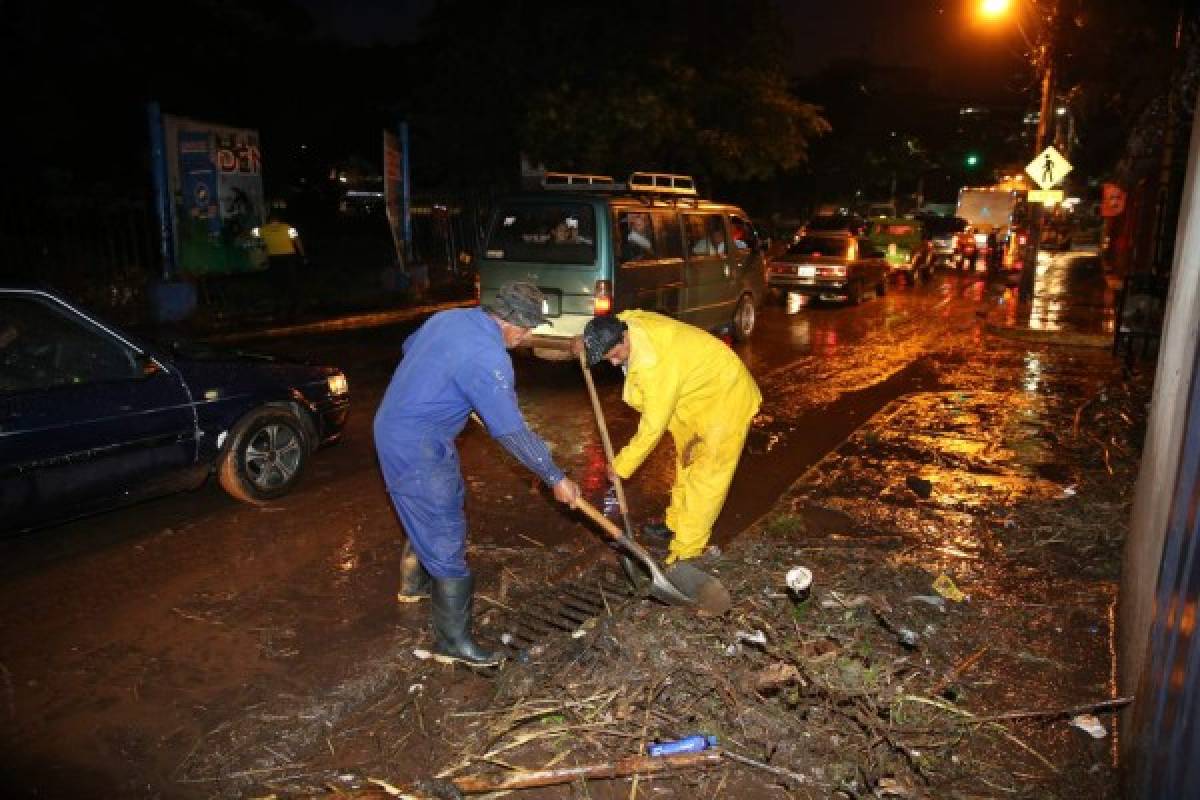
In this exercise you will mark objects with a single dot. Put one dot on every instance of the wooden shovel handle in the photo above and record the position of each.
(604, 522)
(607, 442)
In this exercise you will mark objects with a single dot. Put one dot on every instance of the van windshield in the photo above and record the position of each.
(550, 233)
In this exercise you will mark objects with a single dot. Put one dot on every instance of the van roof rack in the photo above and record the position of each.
(573, 180)
(662, 183)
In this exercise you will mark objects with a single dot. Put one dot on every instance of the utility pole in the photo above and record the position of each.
(1045, 63)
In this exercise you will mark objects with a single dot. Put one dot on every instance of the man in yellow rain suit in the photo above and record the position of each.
(688, 382)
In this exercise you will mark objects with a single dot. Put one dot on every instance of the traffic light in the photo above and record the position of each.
(972, 160)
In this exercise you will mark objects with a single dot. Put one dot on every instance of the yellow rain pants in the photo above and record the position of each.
(688, 382)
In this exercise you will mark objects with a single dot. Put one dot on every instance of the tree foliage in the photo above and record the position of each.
(688, 86)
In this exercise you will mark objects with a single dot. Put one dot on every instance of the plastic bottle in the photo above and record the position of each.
(688, 744)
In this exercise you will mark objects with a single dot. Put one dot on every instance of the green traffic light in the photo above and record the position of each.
(972, 160)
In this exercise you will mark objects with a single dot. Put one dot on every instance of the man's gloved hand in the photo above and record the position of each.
(567, 491)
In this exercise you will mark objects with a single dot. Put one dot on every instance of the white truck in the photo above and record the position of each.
(992, 213)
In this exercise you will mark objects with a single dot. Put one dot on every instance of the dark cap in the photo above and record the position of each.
(600, 335)
(520, 304)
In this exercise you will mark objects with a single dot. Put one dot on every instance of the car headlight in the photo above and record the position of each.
(337, 384)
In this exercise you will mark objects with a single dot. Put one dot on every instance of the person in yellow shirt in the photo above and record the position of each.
(686, 381)
(285, 252)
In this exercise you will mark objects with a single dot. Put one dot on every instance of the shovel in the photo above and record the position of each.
(660, 587)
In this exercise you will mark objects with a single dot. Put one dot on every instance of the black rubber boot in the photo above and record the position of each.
(452, 601)
(415, 582)
(657, 531)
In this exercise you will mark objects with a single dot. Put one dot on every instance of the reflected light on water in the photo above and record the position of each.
(347, 554)
(800, 332)
(1033, 373)
(1047, 289)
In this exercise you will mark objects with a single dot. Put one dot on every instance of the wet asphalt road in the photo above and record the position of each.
(130, 638)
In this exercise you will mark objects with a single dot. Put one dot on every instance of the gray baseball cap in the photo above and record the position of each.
(519, 303)
(600, 335)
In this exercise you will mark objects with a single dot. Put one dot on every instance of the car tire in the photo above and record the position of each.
(881, 287)
(744, 318)
(265, 455)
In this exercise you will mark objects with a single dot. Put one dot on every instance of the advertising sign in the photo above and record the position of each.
(1112, 203)
(214, 173)
(393, 189)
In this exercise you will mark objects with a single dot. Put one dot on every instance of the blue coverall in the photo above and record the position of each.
(455, 363)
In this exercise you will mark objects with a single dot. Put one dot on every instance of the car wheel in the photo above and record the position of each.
(744, 317)
(881, 287)
(265, 456)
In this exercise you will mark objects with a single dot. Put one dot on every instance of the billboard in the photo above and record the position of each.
(393, 189)
(214, 175)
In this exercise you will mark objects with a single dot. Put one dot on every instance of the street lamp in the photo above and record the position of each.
(993, 9)
(1045, 12)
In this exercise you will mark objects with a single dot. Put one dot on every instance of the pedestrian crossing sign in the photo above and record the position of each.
(1047, 197)
(1049, 168)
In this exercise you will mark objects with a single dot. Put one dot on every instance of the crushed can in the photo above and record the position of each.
(610, 506)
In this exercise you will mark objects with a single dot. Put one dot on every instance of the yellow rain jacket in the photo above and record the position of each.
(688, 382)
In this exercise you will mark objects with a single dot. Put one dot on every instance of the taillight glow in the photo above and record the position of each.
(603, 302)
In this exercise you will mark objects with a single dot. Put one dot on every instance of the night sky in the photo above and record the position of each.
(963, 56)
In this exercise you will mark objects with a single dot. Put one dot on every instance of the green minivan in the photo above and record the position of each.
(595, 247)
(908, 246)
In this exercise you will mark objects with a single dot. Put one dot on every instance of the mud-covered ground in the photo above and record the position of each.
(194, 648)
(965, 547)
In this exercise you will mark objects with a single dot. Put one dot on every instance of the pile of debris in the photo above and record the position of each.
(954, 641)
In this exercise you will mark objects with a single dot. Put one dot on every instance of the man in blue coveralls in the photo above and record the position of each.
(456, 363)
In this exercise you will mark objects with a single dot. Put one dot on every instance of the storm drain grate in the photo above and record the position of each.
(562, 608)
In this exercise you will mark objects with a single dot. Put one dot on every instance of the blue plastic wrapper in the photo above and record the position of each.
(688, 744)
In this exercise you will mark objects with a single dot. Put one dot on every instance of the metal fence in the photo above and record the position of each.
(101, 250)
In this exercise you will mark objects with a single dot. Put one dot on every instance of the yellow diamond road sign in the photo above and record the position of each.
(1049, 168)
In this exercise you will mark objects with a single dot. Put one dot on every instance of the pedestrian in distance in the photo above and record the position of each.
(455, 364)
(285, 254)
(687, 382)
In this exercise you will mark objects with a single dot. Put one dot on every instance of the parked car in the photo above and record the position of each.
(875, 210)
(943, 236)
(907, 247)
(595, 247)
(91, 418)
(830, 266)
(834, 223)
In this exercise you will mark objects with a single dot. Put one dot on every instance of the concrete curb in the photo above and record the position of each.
(376, 319)
(1061, 338)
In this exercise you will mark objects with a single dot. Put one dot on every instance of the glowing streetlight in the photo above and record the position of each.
(993, 9)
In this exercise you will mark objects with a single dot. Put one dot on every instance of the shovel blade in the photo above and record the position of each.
(660, 586)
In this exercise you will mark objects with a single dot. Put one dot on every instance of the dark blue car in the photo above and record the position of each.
(90, 418)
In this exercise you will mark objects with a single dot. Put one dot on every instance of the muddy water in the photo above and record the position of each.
(179, 647)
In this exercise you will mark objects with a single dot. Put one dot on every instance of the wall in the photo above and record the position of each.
(1157, 478)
